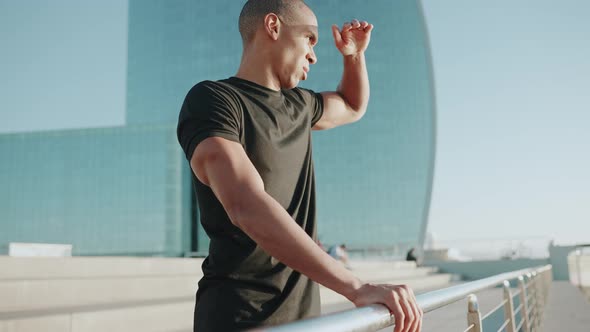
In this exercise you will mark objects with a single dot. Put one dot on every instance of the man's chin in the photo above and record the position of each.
(302, 78)
(292, 84)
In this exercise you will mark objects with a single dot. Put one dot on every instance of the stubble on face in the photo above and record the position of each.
(299, 37)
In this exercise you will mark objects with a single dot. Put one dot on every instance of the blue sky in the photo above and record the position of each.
(31, 91)
(512, 83)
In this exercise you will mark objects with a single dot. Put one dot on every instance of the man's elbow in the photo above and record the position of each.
(358, 113)
(249, 220)
(358, 109)
(241, 209)
(237, 212)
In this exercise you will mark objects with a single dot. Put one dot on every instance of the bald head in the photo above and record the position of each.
(254, 11)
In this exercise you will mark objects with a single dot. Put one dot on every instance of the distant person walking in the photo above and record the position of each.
(248, 141)
(338, 252)
(411, 256)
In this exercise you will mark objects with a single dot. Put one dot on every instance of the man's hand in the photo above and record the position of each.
(353, 38)
(399, 299)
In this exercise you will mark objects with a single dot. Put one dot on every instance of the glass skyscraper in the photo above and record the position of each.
(125, 189)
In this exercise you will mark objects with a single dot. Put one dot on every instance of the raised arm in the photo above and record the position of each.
(349, 102)
(224, 166)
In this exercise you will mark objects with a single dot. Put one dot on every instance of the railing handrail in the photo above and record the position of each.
(376, 316)
(439, 298)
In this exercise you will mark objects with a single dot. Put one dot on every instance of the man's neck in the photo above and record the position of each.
(258, 71)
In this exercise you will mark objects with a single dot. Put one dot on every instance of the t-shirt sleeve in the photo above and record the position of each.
(315, 102)
(206, 112)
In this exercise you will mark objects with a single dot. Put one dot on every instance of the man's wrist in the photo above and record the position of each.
(352, 289)
(355, 57)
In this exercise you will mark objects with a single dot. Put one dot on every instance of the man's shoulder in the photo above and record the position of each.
(213, 91)
(207, 86)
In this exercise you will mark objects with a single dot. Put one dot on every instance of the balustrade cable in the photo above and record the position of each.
(500, 305)
(503, 325)
(470, 328)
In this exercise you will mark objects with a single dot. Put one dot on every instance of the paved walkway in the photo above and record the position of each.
(567, 309)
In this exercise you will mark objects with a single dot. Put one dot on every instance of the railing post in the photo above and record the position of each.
(548, 281)
(545, 286)
(531, 304)
(541, 304)
(524, 306)
(473, 314)
(545, 278)
(509, 308)
(537, 295)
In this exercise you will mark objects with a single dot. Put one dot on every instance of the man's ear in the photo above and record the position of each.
(272, 26)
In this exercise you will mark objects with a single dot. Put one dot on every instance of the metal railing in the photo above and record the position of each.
(533, 286)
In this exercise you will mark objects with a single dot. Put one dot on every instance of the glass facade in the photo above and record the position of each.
(374, 177)
(127, 189)
(107, 191)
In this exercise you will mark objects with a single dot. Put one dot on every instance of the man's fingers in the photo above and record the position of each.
(414, 326)
(409, 314)
(419, 328)
(398, 313)
(404, 297)
(356, 24)
(400, 301)
(336, 34)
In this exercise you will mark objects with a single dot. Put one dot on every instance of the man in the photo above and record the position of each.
(248, 141)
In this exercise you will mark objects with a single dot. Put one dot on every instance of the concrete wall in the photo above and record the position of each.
(97, 294)
(474, 270)
(579, 269)
(558, 258)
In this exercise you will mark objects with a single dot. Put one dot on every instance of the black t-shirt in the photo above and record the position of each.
(242, 285)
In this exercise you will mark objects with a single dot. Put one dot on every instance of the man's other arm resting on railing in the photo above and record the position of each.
(224, 166)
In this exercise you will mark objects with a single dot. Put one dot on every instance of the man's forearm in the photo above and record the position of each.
(273, 229)
(354, 87)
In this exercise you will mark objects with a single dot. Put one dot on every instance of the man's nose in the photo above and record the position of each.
(311, 57)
